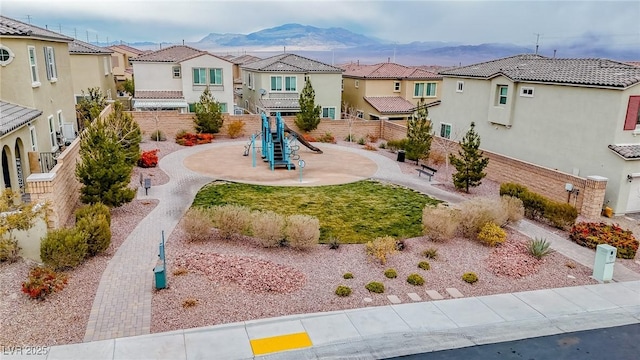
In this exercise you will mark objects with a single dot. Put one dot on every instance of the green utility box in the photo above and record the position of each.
(161, 277)
(603, 265)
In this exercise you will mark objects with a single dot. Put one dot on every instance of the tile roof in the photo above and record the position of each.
(159, 94)
(280, 103)
(628, 152)
(388, 71)
(13, 116)
(172, 54)
(291, 63)
(634, 63)
(536, 68)
(390, 104)
(244, 59)
(126, 48)
(11, 27)
(81, 47)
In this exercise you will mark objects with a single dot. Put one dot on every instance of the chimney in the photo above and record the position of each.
(554, 53)
(388, 59)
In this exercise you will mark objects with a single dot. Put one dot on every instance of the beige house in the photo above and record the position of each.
(577, 116)
(274, 85)
(36, 93)
(91, 68)
(388, 89)
(122, 68)
(238, 61)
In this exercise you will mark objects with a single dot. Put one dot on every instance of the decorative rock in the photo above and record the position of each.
(454, 292)
(414, 297)
(434, 295)
(571, 276)
(394, 299)
(368, 299)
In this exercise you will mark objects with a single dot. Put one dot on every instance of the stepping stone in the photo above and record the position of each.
(368, 299)
(571, 276)
(414, 297)
(454, 292)
(434, 295)
(394, 299)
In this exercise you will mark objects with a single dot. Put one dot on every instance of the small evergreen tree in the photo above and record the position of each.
(471, 163)
(90, 106)
(419, 133)
(126, 130)
(208, 118)
(129, 87)
(308, 118)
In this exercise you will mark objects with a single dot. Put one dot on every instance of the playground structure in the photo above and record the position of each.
(278, 148)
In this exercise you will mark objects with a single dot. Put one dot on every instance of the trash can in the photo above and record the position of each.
(161, 277)
(401, 154)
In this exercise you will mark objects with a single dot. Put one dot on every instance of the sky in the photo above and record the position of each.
(470, 22)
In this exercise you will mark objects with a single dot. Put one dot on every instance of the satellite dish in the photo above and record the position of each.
(262, 91)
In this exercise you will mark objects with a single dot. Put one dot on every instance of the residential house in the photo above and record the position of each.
(122, 68)
(91, 69)
(238, 61)
(387, 90)
(36, 99)
(274, 84)
(578, 116)
(175, 77)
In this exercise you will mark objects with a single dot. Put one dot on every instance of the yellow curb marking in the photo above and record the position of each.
(280, 343)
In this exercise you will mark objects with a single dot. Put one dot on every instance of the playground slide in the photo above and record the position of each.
(302, 140)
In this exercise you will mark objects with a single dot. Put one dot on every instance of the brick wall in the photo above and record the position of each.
(392, 130)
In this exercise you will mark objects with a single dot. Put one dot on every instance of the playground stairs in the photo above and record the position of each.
(278, 153)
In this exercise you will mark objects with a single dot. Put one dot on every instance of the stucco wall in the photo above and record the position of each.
(156, 76)
(223, 94)
(88, 72)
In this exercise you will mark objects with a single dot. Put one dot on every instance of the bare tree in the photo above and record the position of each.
(350, 115)
(447, 145)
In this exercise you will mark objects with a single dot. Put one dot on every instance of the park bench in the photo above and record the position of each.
(427, 170)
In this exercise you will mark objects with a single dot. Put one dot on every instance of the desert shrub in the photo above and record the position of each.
(43, 281)
(478, 212)
(327, 138)
(361, 141)
(231, 219)
(64, 248)
(343, 291)
(148, 159)
(538, 207)
(382, 145)
(539, 248)
(492, 234)
(370, 147)
(391, 273)
(98, 233)
(381, 247)
(372, 138)
(309, 138)
(302, 231)
(437, 157)
(187, 303)
(469, 277)
(334, 243)
(197, 224)
(570, 264)
(180, 271)
(401, 245)
(395, 145)
(592, 234)
(430, 253)
(513, 208)
(268, 228)
(415, 279)
(95, 208)
(375, 287)
(424, 265)
(158, 135)
(235, 129)
(512, 189)
(560, 215)
(189, 139)
(347, 276)
(350, 138)
(9, 250)
(440, 223)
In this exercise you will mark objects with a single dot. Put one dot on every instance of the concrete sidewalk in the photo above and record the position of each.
(385, 331)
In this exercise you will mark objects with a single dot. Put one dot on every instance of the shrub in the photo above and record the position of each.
(302, 231)
(395, 145)
(180, 271)
(350, 138)
(97, 231)
(513, 208)
(197, 224)
(538, 207)
(361, 141)
(63, 248)
(372, 138)
(478, 212)
(93, 209)
(436, 157)
(570, 264)
(158, 135)
(231, 219)
(347, 276)
(9, 250)
(268, 228)
(430, 253)
(391, 273)
(469, 277)
(187, 303)
(512, 189)
(43, 281)
(401, 245)
(492, 234)
(375, 287)
(539, 248)
(188, 139)
(591, 234)
(370, 147)
(235, 129)
(415, 279)
(327, 138)
(148, 159)
(560, 215)
(382, 145)
(343, 291)
(440, 223)
(309, 138)
(424, 265)
(334, 243)
(381, 248)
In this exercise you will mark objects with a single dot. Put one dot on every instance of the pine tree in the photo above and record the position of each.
(89, 107)
(471, 162)
(208, 118)
(127, 131)
(419, 133)
(308, 118)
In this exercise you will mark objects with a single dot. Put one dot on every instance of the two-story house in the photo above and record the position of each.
(122, 67)
(91, 68)
(36, 99)
(577, 116)
(238, 77)
(274, 85)
(388, 89)
(175, 77)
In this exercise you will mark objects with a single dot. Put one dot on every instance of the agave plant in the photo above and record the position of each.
(539, 248)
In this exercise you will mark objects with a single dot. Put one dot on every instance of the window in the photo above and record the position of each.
(223, 107)
(329, 112)
(396, 86)
(60, 121)
(418, 89)
(176, 72)
(215, 76)
(33, 137)
(502, 94)
(6, 55)
(276, 83)
(360, 114)
(526, 92)
(460, 86)
(342, 85)
(50, 64)
(52, 133)
(34, 66)
(445, 130)
(632, 120)
(290, 83)
(357, 83)
(250, 80)
(424, 90)
(105, 65)
(199, 76)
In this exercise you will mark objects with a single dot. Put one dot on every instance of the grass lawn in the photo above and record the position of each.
(353, 213)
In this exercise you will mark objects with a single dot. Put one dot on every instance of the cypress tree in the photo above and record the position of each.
(308, 118)
(208, 118)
